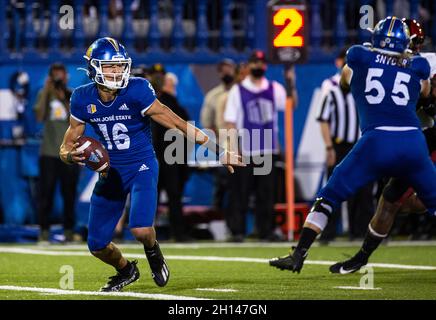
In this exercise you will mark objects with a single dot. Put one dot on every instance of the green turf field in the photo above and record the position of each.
(241, 272)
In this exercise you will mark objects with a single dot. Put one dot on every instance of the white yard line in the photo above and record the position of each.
(355, 288)
(203, 258)
(239, 245)
(216, 290)
(53, 291)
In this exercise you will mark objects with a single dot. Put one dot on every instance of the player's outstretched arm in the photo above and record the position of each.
(346, 75)
(68, 152)
(167, 118)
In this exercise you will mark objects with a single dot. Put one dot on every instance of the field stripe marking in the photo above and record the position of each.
(355, 288)
(53, 291)
(336, 244)
(205, 258)
(216, 290)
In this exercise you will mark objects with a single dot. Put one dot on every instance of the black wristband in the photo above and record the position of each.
(329, 148)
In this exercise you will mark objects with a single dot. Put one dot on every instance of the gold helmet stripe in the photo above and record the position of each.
(391, 26)
(113, 42)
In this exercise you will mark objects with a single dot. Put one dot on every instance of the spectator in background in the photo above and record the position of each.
(339, 124)
(226, 72)
(212, 120)
(19, 86)
(115, 22)
(156, 76)
(52, 108)
(172, 177)
(242, 71)
(253, 105)
(90, 19)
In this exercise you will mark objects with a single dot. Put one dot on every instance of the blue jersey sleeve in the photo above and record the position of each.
(356, 56)
(144, 93)
(421, 67)
(75, 108)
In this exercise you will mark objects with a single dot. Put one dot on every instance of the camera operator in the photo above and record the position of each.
(52, 108)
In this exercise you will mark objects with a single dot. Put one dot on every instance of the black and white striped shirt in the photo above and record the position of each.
(339, 110)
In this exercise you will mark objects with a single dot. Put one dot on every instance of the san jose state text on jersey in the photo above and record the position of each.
(120, 124)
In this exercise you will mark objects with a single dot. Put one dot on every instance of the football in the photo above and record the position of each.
(96, 156)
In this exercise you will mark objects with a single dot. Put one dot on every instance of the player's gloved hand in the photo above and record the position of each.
(231, 159)
(75, 156)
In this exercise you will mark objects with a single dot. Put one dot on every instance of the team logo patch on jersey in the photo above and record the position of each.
(123, 107)
(91, 108)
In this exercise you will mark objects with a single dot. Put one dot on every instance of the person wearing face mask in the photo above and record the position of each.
(252, 108)
(210, 119)
(226, 72)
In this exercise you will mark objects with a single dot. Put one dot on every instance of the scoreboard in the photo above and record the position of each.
(287, 40)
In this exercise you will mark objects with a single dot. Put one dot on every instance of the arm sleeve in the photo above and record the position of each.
(354, 56)
(279, 96)
(233, 105)
(423, 68)
(76, 111)
(145, 94)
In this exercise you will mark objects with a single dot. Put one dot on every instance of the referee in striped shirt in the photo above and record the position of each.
(340, 130)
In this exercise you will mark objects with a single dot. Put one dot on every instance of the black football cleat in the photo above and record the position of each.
(293, 262)
(349, 266)
(119, 281)
(159, 268)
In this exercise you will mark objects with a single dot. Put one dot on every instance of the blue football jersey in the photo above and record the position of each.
(120, 124)
(386, 89)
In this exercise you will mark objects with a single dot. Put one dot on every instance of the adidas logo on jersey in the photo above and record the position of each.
(143, 168)
(123, 107)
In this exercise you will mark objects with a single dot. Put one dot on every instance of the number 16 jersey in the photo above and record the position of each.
(120, 124)
(385, 87)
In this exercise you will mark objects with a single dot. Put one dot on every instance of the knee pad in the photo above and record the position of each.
(394, 190)
(320, 213)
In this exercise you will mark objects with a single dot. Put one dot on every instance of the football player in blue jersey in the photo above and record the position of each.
(386, 82)
(397, 195)
(119, 108)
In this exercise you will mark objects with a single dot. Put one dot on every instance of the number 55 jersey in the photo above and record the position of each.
(386, 87)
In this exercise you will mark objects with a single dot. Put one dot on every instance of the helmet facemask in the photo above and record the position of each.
(111, 80)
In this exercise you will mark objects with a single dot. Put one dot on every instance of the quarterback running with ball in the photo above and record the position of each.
(119, 108)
